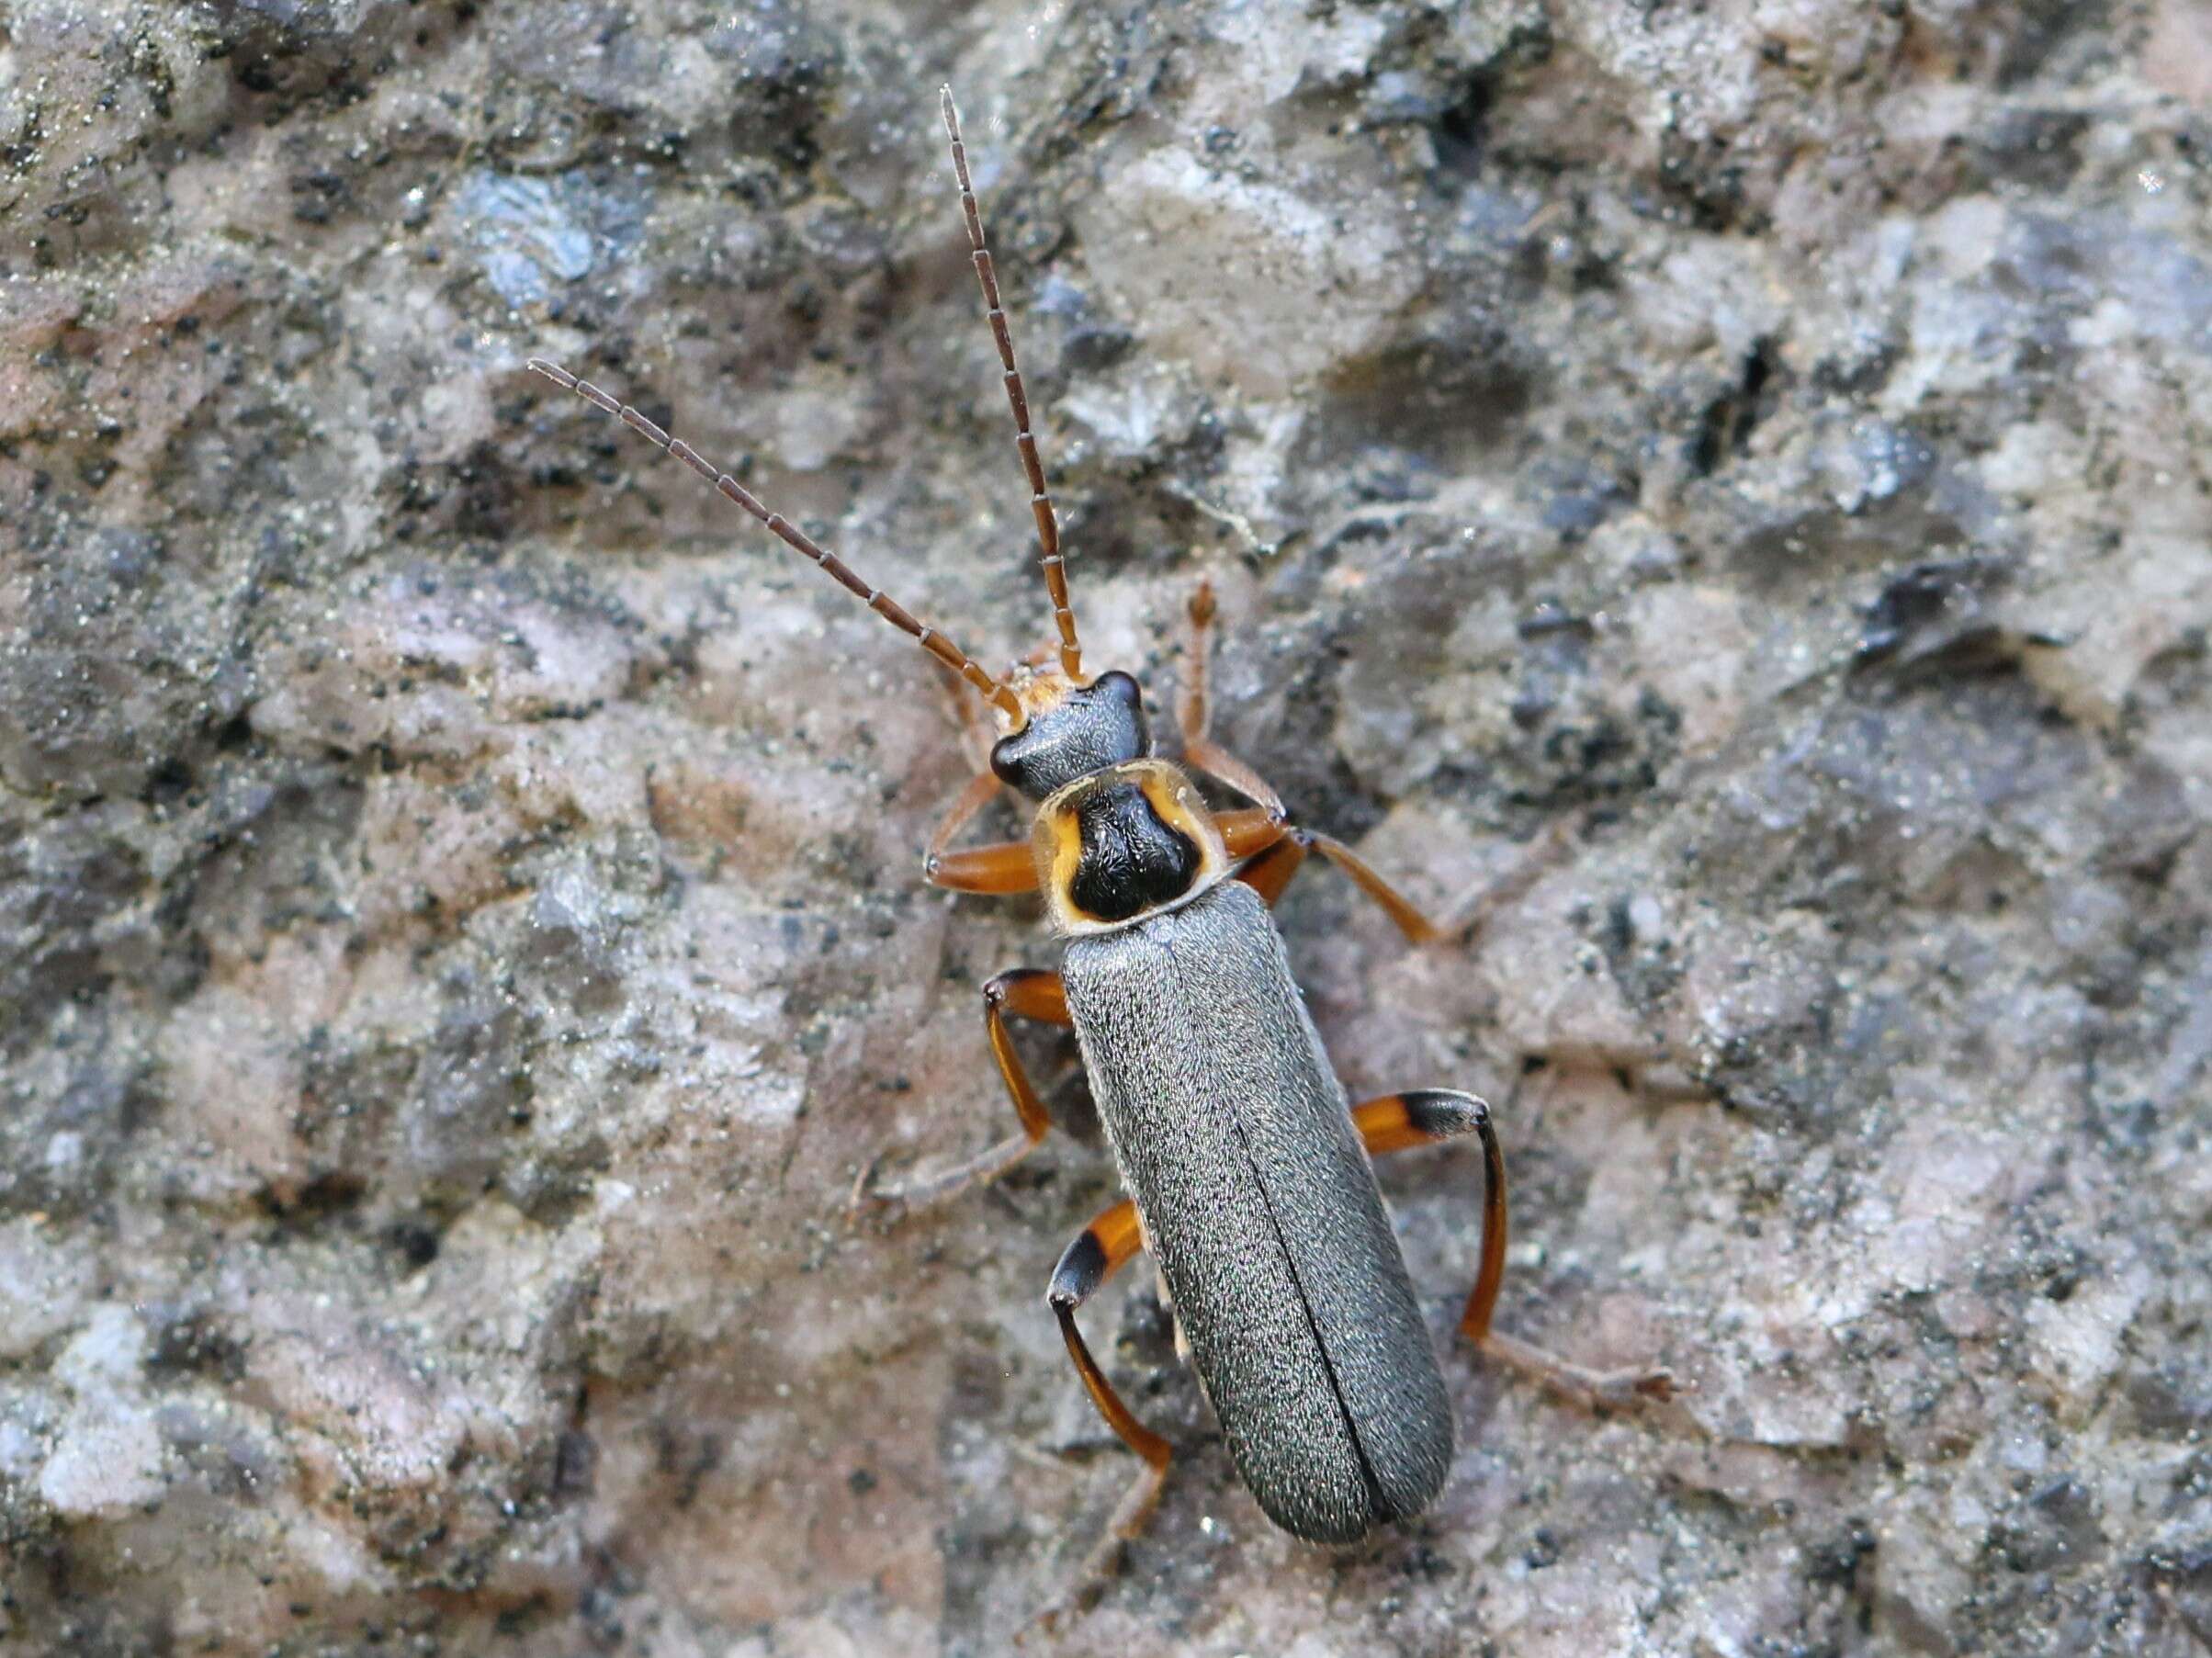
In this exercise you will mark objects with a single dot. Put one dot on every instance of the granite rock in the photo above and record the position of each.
(1731, 481)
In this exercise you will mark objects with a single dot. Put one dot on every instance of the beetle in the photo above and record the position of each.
(1249, 1171)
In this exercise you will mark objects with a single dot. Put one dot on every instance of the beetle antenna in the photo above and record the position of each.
(928, 637)
(1040, 500)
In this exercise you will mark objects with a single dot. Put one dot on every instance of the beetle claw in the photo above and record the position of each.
(1104, 1564)
(867, 1199)
(894, 1202)
(1629, 1386)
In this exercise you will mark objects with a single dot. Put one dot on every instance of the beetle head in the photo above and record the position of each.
(1070, 730)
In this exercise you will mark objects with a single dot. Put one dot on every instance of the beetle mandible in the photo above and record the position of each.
(1249, 1171)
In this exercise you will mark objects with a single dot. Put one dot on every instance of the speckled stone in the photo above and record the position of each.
(460, 924)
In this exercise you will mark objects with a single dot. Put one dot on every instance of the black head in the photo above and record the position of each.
(1083, 729)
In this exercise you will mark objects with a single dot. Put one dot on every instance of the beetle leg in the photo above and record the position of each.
(970, 713)
(1250, 829)
(999, 867)
(1197, 657)
(1269, 871)
(1416, 927)
(1217, 763)
(1105, 1245)
(1274, 851)
(1424, 1117)
(1255, 832)
(982, 789)
(1468, 914)
(1031, 993)
(1002, 866)
(1199, 748)
(962, 870)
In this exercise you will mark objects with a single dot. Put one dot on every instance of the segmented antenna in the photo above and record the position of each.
(1040, 501)
(928, 637)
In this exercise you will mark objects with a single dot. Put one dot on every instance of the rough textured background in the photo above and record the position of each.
(459, 923)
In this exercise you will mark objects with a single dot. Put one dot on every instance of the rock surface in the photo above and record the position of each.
(460, 926)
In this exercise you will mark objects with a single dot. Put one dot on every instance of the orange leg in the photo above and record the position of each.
(1255, 830)
(970, 713)
(1003, 866)
(999, 868)
(1218, 763)
(1200, 750)
(1417, 926)
(981, 790)
(1425, 1117)
(1030, 993)
(1274, 854)
(1252, 832)
(1105, 1246)
(1249, 829)
(1269, 871)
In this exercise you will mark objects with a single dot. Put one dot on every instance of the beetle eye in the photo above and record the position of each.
(1123, 688)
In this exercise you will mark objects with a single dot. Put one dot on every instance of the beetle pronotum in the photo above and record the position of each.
(1249, 1171)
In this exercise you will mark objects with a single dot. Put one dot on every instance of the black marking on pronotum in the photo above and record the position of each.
(1133, 859)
